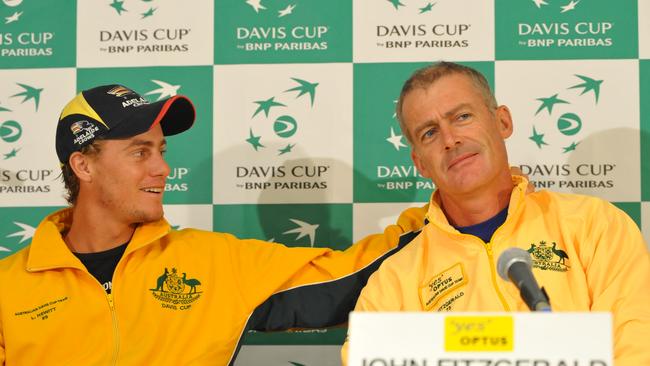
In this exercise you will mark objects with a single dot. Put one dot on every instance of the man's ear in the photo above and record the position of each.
(80, 165)
(504, 121)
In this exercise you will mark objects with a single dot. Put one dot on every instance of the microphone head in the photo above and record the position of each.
(509, 257)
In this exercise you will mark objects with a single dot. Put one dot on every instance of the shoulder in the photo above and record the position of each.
(201, 237)
(572, 204)
(14, 265)
(220, 241)
(16, 258)
(408, 257)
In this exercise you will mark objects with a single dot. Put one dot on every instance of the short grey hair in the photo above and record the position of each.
(426, 76)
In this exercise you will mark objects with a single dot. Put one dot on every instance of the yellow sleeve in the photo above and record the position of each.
(618, 276)
(311, 287)
(382, 293)
(364, 252)
(2, 346)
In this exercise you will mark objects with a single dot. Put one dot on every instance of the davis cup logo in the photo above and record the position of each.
(11, 131)
(568, 124)
(285, 126)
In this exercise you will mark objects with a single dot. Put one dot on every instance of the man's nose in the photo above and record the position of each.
(160, 166)
(449, 137)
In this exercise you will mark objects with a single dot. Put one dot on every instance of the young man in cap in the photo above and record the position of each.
(588, 254)
(107, 281)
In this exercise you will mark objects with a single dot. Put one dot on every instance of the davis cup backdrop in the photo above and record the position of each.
(296, 138)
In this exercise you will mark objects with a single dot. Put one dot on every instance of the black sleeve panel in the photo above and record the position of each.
(318, 305)
(315, 306)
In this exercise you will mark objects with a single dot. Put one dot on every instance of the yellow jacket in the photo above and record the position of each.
(178, 297)
(587, 254)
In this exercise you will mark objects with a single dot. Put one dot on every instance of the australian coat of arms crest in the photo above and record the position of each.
(174, 289)
(549, 257)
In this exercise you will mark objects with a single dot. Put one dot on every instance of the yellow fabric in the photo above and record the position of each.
(79, 105)
(607, 269)
(53, 312)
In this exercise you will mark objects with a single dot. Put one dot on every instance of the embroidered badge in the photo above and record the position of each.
(442, 284)
(548, 257)
(172, 290)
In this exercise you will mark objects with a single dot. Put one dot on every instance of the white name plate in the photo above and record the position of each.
(480, 339)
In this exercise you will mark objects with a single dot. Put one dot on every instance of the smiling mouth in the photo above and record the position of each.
(460, 159)
(156, 190)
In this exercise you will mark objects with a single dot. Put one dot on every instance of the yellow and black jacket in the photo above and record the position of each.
(587, 254)
(178, 297)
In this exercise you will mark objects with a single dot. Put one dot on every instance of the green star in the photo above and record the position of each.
(295, 363)
(265, 105)
(12, 154)
(118, 6)
(427, 8)
(396, 3)
(570, 147)
(254, 140)
(286, 149)
(176, 227)
(148, 13)
(549, 102)
(304, 88)
(3, 109)
(30, 93)
(588, 85)
(538, 138)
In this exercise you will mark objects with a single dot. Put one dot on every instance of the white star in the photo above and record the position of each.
(166, 90)
(26, 233)
(396, 140)
(256, 4)
(288, 10)
(303, 229)
(3, 249)
(394, 112)
(13, 18)
(539, 3)
(570, 6)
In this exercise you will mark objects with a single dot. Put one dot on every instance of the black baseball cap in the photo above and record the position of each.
(116, 112)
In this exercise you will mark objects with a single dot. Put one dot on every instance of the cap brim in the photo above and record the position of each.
(174, 115)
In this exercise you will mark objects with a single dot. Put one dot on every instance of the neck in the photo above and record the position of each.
(92, 231)
(475, 207)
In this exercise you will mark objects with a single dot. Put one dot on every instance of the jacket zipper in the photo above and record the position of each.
(493, 274)
(116, 334)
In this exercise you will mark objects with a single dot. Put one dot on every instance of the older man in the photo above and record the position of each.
(589, 255)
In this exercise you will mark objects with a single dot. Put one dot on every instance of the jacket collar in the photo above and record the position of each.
(437, 216)
(48, 250)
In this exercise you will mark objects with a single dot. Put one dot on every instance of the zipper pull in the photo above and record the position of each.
(110, 300)
(488, 247)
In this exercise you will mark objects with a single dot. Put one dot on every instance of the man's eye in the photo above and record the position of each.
(429, 133)
(464, 116)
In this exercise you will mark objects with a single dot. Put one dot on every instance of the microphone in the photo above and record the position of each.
(515, 265)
